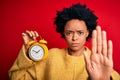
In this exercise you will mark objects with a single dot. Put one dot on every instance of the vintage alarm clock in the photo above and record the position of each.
(38, 50)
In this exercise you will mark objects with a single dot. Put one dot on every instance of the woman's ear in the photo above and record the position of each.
(87, 33)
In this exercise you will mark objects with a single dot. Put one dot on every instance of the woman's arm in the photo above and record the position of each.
(23, 68)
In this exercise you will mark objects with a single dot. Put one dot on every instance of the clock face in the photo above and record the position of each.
(37, 52)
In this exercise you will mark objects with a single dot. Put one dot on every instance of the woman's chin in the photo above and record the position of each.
(75, 48)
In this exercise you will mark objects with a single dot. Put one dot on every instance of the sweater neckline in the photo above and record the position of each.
(75, 59)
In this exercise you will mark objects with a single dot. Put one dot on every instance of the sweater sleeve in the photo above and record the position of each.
(115, 76)
(23, 68)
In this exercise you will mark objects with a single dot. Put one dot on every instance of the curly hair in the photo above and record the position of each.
(76, 11)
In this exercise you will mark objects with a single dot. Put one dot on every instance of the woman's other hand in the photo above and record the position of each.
(100, 63)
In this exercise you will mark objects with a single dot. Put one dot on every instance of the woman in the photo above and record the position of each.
(76, 25)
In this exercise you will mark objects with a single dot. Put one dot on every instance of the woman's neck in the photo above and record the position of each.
(77, 52)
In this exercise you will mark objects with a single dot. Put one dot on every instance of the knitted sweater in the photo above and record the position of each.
(59, 65)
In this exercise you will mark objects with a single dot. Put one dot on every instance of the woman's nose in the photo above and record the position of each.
(75, 37)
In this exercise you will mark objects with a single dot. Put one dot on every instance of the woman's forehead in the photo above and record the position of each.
(75, 24)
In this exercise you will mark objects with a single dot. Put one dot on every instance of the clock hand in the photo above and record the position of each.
(35, 51)
(38, 51)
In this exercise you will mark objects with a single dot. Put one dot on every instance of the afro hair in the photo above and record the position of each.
(76, 11)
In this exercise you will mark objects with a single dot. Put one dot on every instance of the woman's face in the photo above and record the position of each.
(75, 34)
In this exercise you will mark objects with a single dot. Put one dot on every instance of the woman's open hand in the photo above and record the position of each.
(100, 63)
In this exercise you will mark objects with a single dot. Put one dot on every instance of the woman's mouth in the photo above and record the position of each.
(75, 44)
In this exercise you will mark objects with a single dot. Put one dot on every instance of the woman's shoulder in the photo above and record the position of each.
(56, 53)
(57, 50)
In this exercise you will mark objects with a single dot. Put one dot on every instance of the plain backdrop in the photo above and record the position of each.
(17, 16)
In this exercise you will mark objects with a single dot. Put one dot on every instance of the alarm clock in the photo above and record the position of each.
(37, 50)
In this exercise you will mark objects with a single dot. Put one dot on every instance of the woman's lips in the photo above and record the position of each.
(75, 44)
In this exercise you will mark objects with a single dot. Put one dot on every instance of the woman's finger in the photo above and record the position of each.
(36, 33)
(25, 38)
(99, 39)
(29, 33)
(33, 35)
(110, 49)
(94, 42)
(104, 43)
(87, 60)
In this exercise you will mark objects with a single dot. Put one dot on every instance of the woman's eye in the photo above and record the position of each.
(80, 32)
(68, 33)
